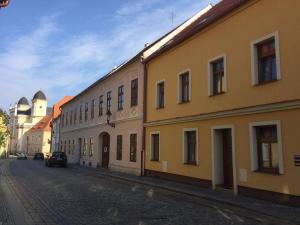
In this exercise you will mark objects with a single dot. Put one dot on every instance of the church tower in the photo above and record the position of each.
(39, 105)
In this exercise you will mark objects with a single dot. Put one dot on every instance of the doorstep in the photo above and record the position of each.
(226, 197)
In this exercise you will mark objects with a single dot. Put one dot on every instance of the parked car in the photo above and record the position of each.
(56, 158)
(38, 156)
(21, 156)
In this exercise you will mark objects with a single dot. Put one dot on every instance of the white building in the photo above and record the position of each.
(23, 117)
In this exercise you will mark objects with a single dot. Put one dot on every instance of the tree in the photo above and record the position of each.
(4, 133)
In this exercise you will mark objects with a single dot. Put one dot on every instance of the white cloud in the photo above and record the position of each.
(67, 66)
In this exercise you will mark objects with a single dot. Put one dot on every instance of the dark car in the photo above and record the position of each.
(56, 158)
(21, 156)
(38, 156)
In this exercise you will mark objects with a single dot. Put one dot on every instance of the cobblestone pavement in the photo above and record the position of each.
(74, 196)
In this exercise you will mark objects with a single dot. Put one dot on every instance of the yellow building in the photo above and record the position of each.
(38, 138)
(223, 101)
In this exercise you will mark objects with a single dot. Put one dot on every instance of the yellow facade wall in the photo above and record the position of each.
(171, 142)
(231, 36)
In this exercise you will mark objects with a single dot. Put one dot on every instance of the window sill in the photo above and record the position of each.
(190, 163)
(185, 102)
(266, 82)
(217, 94)
(276, 173)
(119, 110)
(154, 160)
(159, 108)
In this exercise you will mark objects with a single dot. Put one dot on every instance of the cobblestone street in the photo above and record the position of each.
(78, 196)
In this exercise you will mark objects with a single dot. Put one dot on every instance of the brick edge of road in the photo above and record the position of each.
(255, 205)
(19, 202)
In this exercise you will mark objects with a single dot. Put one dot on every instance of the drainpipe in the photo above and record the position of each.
(143, 155)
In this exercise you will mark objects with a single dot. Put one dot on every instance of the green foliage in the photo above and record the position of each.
(4, 119)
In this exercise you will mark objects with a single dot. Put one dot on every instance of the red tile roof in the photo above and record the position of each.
(56, 106)
(215, 13)
(42, 125)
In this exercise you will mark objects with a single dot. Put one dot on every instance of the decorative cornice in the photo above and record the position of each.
(101, 124)
(279, 106)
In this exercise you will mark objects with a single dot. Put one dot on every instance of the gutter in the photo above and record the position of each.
(143, 153)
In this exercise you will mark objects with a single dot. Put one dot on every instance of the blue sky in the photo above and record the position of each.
(63, 46)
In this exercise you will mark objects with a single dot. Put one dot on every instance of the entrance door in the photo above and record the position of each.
(227, 158)
(105, 150)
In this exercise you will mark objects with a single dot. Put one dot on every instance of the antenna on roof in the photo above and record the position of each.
(172, 17)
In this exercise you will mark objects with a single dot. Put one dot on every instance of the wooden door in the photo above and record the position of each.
(227, 159)
(105, 150)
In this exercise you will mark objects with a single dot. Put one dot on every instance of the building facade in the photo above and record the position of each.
(102, 126)
(39, 136)
(22, 117)
(55, 124)
(223, 101)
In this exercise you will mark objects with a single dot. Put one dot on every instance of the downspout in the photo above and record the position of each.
(143, 155)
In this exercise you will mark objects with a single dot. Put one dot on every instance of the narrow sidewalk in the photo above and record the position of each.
(260, 206)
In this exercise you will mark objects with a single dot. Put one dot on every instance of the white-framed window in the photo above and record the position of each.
(265, 59)
(184, 86)
(266, 147)
(160, 94)
(217, 75)
(190, 146)
(155, 146)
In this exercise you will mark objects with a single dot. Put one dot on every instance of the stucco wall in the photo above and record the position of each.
(231, 36)
(171, 137)
(128, 120)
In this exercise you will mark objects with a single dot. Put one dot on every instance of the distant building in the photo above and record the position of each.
(39, 136)
(23, 117)
(55, 123)
(3, 3)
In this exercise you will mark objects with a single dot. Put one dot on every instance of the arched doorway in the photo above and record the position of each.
(104, 144)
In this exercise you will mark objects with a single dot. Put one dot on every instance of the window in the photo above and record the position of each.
(92, 108)
(69, 147)
(80, 146)
(119, 147)
(155, 146)
(266, 147)
(184, 87)
(133, 146)
(160, 93)
(190, 147)
(265, 59)
(65, 146)
(75, 115)
(86, 110)
(108, 101)
(217, 76)
(73, 147)
(134, 92)
(63, 120)
(120, 97)
(71, 117)
(67, 119)
(91, 147)
(84, 146)
(101, 105)
(80, 114)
